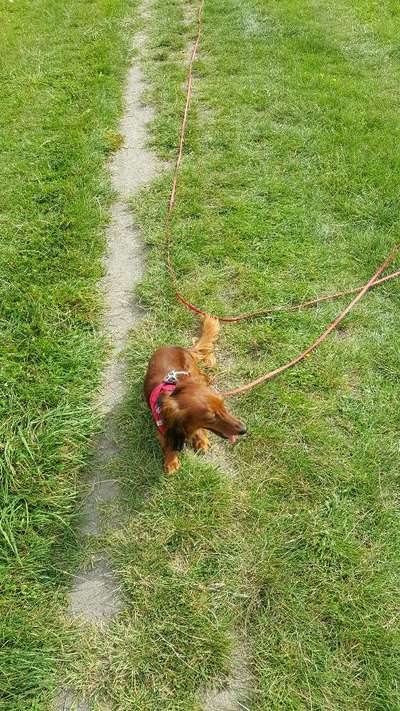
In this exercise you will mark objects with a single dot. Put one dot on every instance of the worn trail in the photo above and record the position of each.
(94, 597)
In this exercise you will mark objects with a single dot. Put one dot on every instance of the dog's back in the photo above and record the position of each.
(164, 360)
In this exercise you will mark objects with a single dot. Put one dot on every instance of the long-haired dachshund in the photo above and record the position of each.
(180, 398)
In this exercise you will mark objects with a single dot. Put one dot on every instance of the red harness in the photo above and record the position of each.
(155, 405)
(168, 385)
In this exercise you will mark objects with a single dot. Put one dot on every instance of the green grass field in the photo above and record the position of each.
(62, 68)
(282, 550)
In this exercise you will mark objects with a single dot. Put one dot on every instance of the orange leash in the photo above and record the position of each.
(273, 373)
(286, 307)
(359, 291)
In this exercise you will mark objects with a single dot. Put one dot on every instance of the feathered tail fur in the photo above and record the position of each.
(203, 348)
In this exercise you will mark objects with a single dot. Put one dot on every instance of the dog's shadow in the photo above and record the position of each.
(136, 463)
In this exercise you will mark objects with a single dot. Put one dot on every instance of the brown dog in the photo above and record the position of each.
(180, 398)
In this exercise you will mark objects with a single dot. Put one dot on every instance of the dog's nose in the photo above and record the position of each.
(242, 430)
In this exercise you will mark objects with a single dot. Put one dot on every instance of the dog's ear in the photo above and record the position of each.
(174, 423)
(176, 437)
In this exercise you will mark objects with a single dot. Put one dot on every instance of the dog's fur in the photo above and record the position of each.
(193, 407)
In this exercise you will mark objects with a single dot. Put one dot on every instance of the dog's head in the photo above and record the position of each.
(192, 406)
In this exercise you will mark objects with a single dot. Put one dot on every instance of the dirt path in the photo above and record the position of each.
(94, 597)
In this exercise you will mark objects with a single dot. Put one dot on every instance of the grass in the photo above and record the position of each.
(285, 547)
(61, 86)
(284, 550)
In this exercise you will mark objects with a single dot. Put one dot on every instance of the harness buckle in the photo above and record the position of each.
(172, 377)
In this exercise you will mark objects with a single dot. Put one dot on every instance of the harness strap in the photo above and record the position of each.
(168, 385)
(155, 403)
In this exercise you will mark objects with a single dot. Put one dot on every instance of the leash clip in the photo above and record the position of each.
(172, 377)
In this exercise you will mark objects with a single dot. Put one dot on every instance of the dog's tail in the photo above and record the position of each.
(203, 349)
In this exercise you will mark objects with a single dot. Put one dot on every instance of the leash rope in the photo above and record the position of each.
(360, 291)
(273, 373)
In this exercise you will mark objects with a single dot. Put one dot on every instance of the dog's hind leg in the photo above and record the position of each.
(203, 348)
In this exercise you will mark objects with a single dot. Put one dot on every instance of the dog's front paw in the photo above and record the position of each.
(171, 465)
(200, 442)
